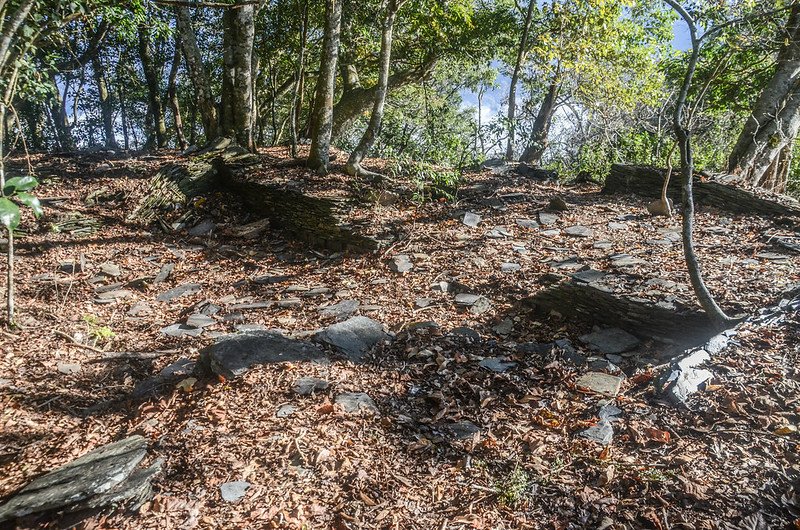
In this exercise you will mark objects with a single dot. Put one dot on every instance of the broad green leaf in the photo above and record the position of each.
(17, 184)
(9, 213)
(30, 201)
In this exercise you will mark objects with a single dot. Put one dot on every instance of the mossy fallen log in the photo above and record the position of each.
(647, 182)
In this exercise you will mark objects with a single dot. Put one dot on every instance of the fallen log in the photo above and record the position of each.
(647, 182)
(594, 304)
(314, 221)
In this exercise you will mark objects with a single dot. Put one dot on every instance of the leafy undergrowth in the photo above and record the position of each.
(731, 460)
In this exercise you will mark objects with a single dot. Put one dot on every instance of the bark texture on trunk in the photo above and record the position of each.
(236, 116)
(376, 118)
(206, 105)
(172, 95)
(106, 104)
(541, 126)
(512, 90)
(152, 77)
(759, 157)
(322, 118)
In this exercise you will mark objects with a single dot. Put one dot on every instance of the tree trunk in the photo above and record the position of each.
(297, 94)
(106, 105)
(172, 94)
(512, 90)
(322, 119)
(236, 116)
(541, 126)
(197, 72)
(374, 126)
(153, 80)
(773, 125)
(60, 118)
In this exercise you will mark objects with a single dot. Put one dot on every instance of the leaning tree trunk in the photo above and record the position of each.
(512, 90)
(153, 80)
(760, 156)
(106, 105)
(172, 95)
(374, 126)
(322, 119)
(197, 72)
(541, 126)
(236, 117)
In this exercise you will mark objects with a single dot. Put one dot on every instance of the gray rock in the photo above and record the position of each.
(139, 308)
(467, 333)
(611, 340)
(602, 433)
(164, 272)
(510, 267)
(685, 376)
(547, 218)
(625, 260)
(235, 316)
(423, 302)
(599, 383)
(115, 294)
(471, 219)
(181, 290)
(589, 276)
(110, 269)
(353, 402)
(233, 355)
(496, 364)
(462, 430)
(602, 245)
(233, 491)
(498, 232)
(203, 228)
(504, 327)
(535, 348)
(603, 365)
(569, 264)
(308, 385)
(477, 304)
(288, 303)
(199, 320)
(569, 353)
(244, 328)
(101, 477)
(285, 411)
(343, 309)
(181, 330)
(401, 263)
(355, 337)
(528, 223)
(617, 226)
(271, 279)
(579, 231)
(69, 368)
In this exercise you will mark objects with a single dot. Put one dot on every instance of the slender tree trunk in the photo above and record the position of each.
(375, 120)
(9, 231)
(153, 81)
(541, 126)
(11, 23)
(512, 90)
(172, 94)
(683, 135)
(773, 125)
(322, 119)
(297, 94)
(106, 105)
(236, 117)
(197, 72)
(123, 111)
(60, 117)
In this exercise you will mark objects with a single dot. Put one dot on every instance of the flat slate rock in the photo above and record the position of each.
(233, 491)
(199, 320)
(355, 337)
(164, 272)
(343, 309)
(401, 263)
(306, 386)
(203, 228)
(611, 340)
(181, 330)
(462, 430)
(589, 276)
(625, 260)
(602, 433)
(99, 477)
(510, 267)
(467, 333)
(579, 231)
(353, 402)
(496, 364)
(599, 383)
(475, 303)
(181, 290)
(284, 411)
(110, 269)
(471, 219)
(233, 355)
(547, 218)
(530, 224)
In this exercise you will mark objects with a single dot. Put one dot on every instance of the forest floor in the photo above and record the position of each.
(453, 441)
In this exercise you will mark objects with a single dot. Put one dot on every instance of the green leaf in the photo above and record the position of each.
(18, 184)
(9, 214)
(30, 201)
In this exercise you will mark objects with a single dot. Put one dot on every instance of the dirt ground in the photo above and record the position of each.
(730, 461)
